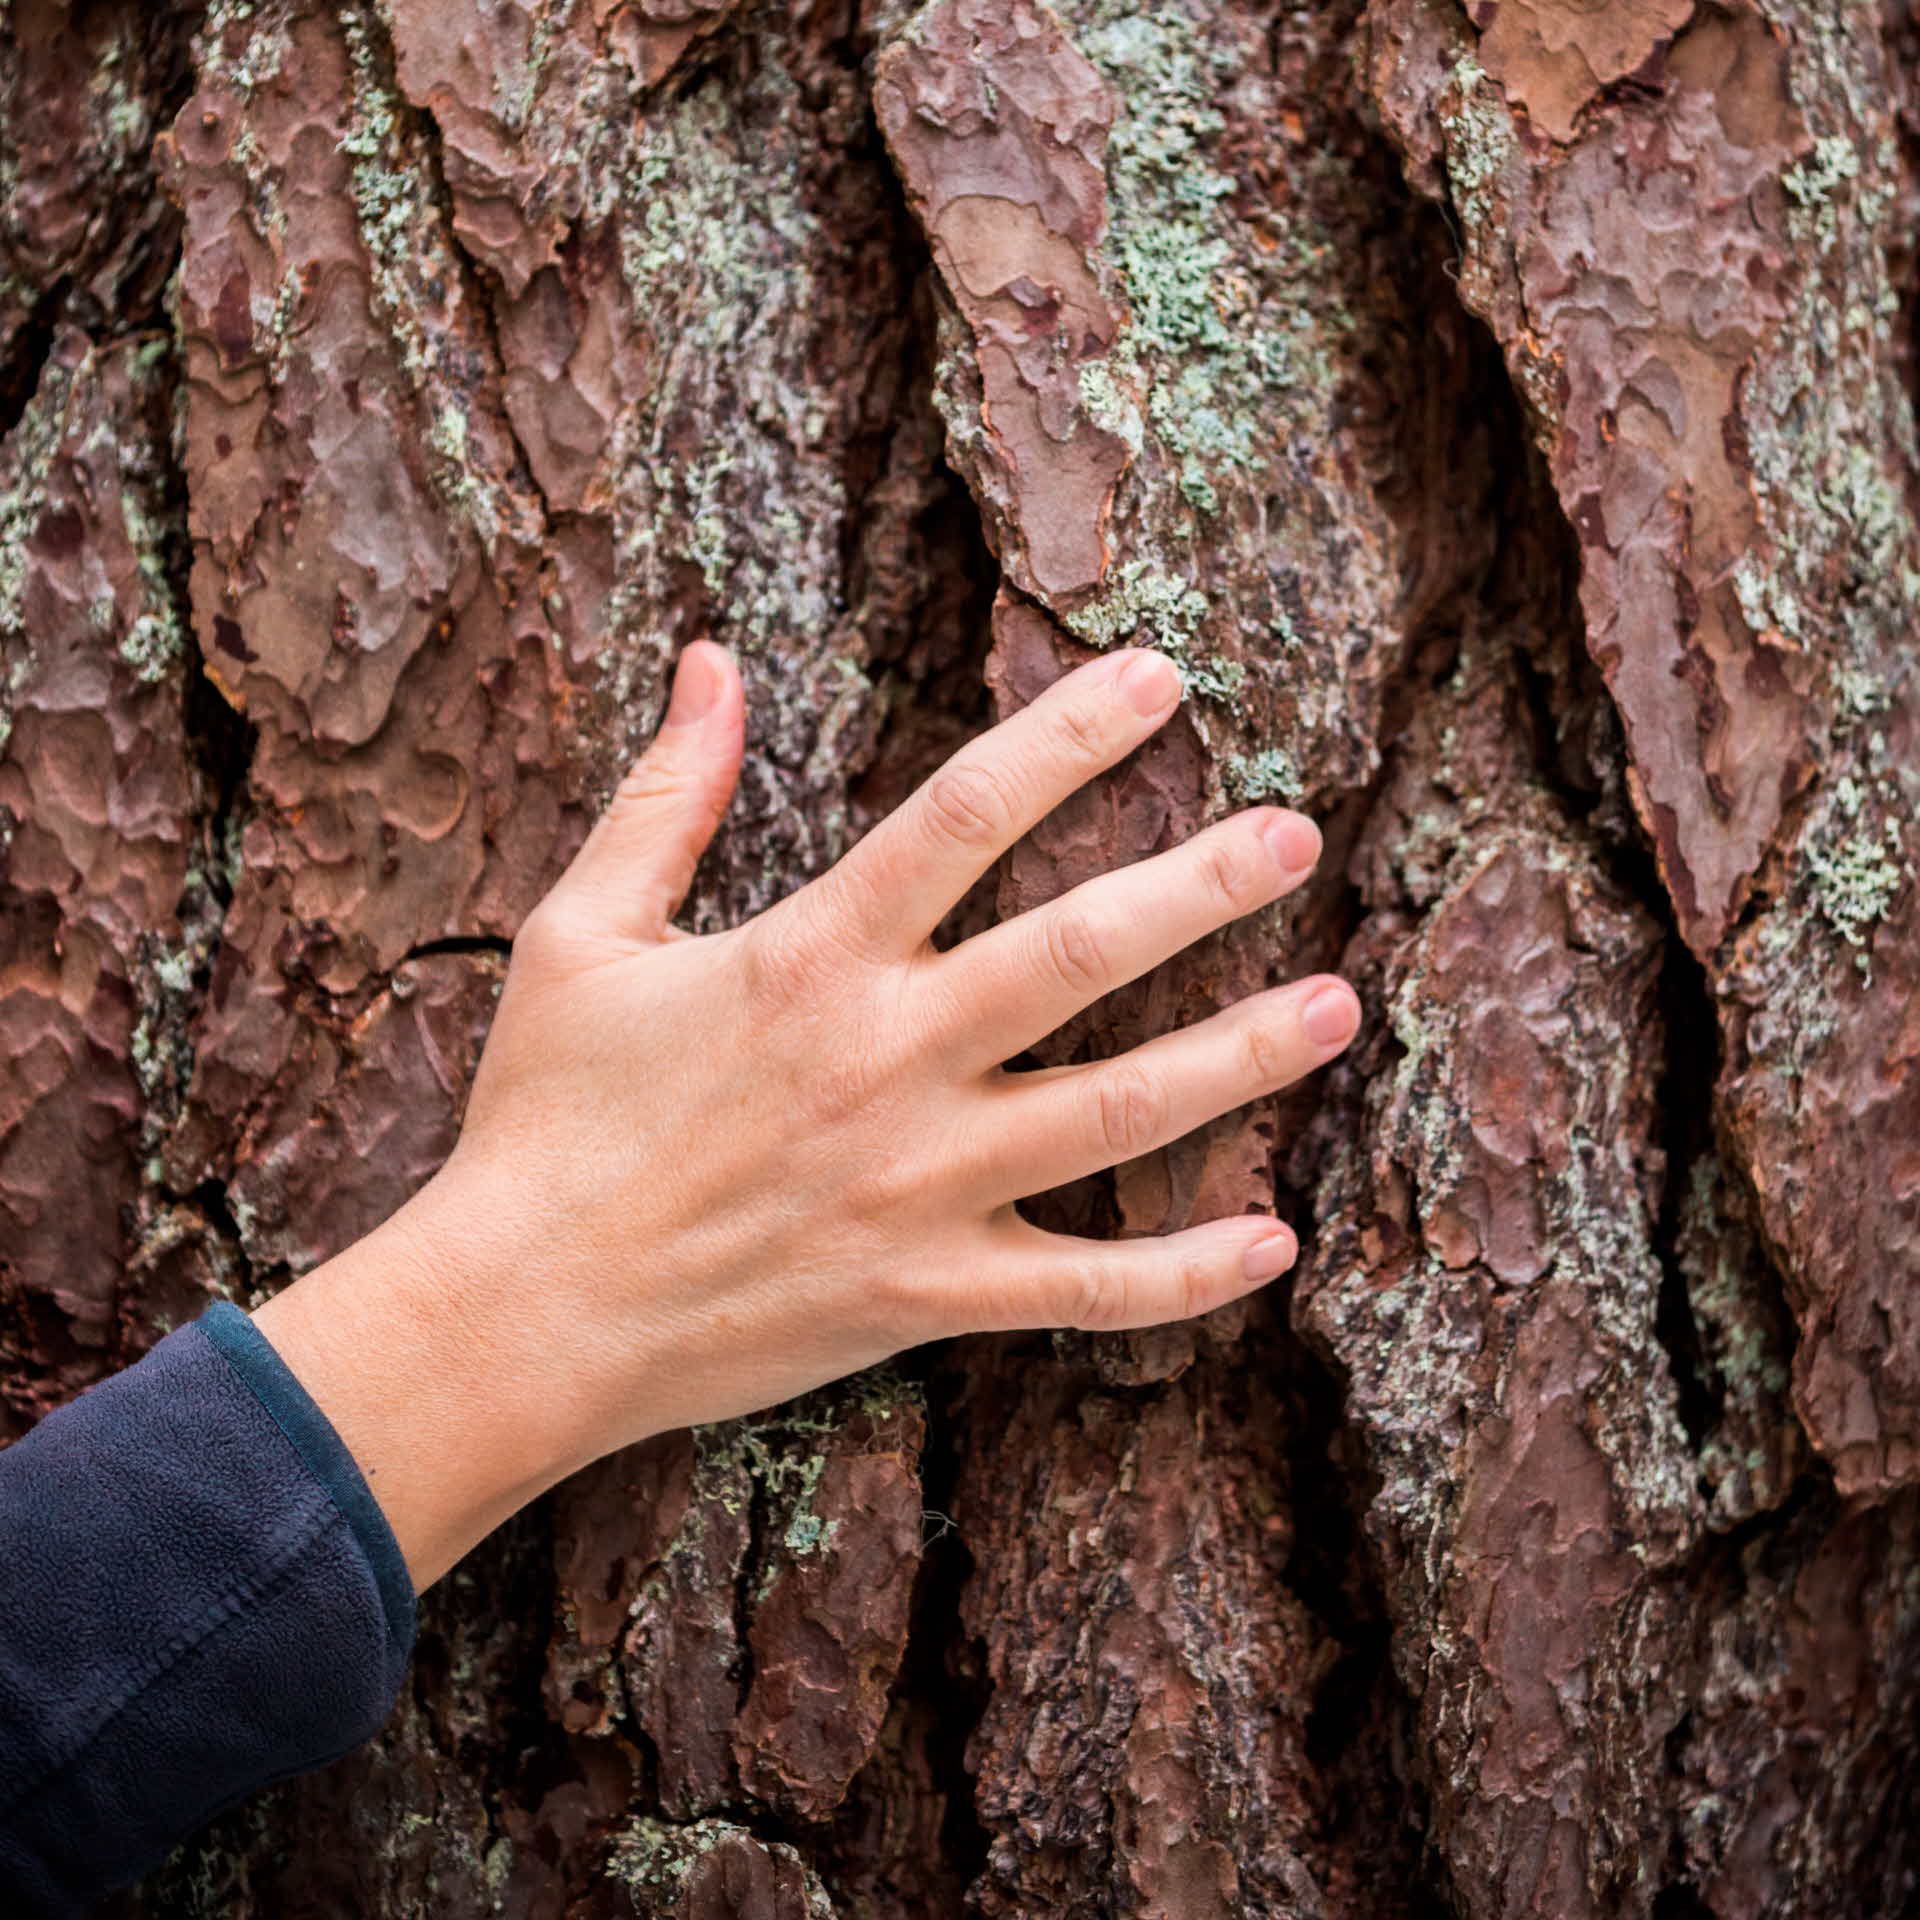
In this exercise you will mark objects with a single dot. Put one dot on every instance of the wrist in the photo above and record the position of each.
(428, 1350)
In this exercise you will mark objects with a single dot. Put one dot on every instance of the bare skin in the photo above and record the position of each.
(700, 1175)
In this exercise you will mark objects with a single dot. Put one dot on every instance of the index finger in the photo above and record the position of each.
(895, 887)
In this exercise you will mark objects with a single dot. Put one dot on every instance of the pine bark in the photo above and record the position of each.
(1504, 414)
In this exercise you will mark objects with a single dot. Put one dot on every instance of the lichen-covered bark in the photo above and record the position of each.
(1486, 1279)
(1503, 415)
(1691, 284)
(97, 802)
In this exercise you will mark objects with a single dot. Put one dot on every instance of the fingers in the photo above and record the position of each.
(1051, 1127)
(892, 890)
(1027, 976)
(639, 859)
(1053, 1280)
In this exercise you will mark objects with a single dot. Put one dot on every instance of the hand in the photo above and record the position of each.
(699, 1176)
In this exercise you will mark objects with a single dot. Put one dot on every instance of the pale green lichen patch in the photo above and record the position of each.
(404, 231)
(262, 47)
(155, 643)
(654, 1857)
(717, 247)
(30, 449)
(29, 452)
(1833, 163)
(1107, 395)
(1827, 424)
(1146, 607)
(1855, 873)
(1479, 141)
(1138, 600)
(1267, 775)
(781, 1454)
(1765, 603)
(1228, 345)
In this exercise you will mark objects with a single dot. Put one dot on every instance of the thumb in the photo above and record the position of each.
(639, 859)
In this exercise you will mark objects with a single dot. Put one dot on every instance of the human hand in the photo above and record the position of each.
(700, 1175)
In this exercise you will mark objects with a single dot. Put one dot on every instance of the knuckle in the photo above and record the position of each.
(1098, 1296)
(832, 1096)
(1263, 1056)
(1074, 951)
(810, 944)
(1194, 1286)
(877, 1188)
(778, 958)
(969, 804)
(651, 778)
(1132, 1110)
(1079, 733)
(1228, 875)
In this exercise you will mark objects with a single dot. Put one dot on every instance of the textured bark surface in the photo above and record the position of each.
(1504, 415)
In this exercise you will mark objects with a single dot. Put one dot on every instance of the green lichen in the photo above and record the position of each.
(1138, 600)
(263, 46)
(1812, 184)
(653, 1857)
(1831, 436)
(1267, 775)
(155, 644)
(122, 113)
(778, 1454)
(403, 229)
(1854, 875)
(716, 245)
(1479, 142)
(1826, 422)
(30, 450)
(517, 89)
(1417, 1344)
(1222, 346)
(1735, 1301)
(174, 970)
(498, 1866)
(1110, 403)
(1146, 607)
(31, 445)
(1763, 602)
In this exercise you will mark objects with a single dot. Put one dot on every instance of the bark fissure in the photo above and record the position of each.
(27, 354)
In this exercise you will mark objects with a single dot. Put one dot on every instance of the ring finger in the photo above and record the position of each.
(1059, 1124)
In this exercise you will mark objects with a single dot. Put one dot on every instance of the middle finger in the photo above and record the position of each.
(1020, 980)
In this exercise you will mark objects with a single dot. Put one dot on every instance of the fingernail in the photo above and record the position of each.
(696, 685)
(1268, 1259)
(1330, 1017)
(1150, 682)
(1294, 838)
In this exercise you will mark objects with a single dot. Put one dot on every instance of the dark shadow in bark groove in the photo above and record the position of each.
(20, 372)
(940, 1671)
(1685, 1102)
(461, 943)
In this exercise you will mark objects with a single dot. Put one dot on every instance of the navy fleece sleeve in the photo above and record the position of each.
(198, 1596)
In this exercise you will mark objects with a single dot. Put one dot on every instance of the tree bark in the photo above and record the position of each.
(1504, 414)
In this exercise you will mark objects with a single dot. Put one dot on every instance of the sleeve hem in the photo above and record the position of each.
(293, 1410)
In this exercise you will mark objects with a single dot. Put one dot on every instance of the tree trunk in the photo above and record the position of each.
(1504, 417)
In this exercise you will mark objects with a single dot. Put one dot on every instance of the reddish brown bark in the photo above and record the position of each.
(1503, 415)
